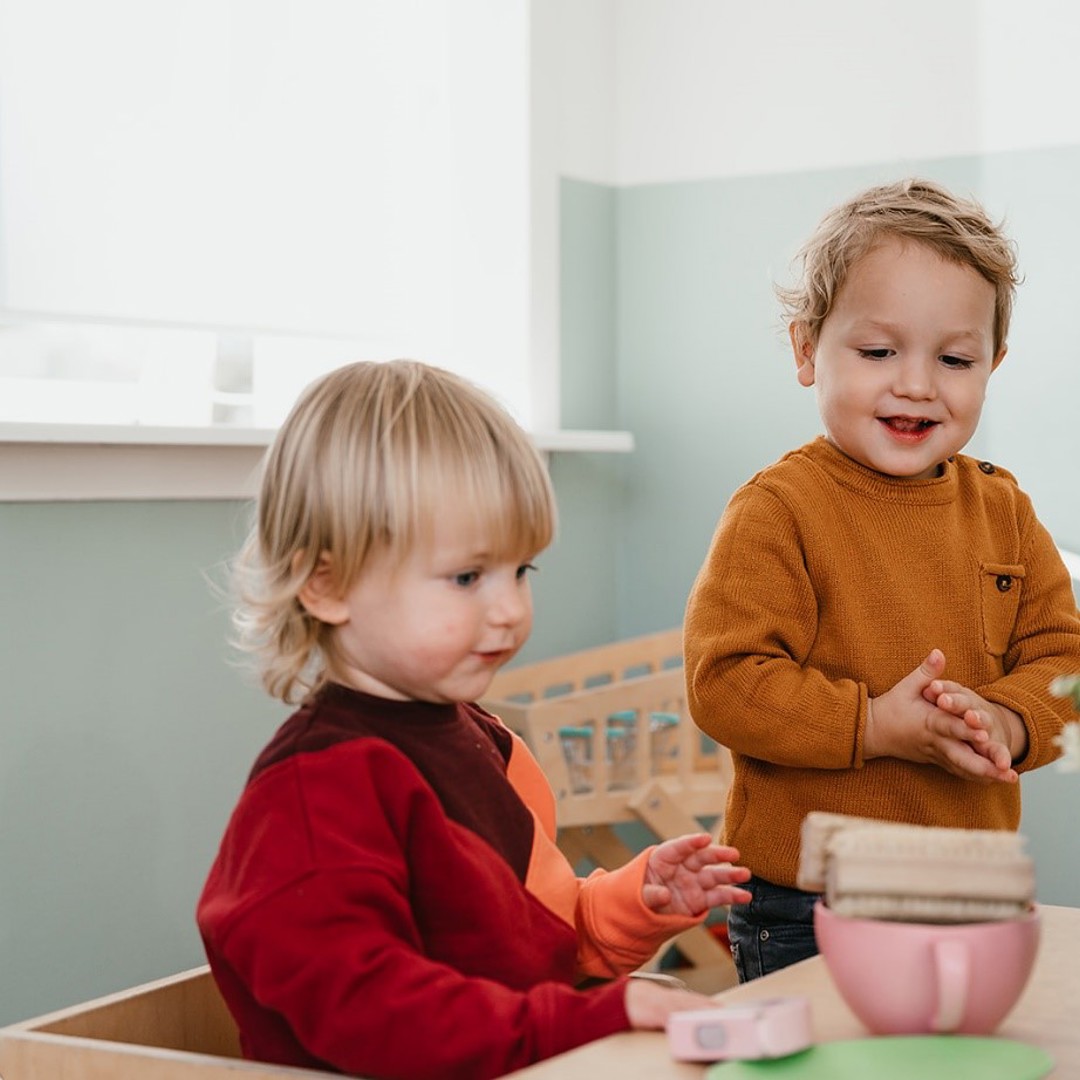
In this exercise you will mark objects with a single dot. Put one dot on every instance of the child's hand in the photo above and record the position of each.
(906, 722)
(1007, 739)
(690, 874)
(648, 1005)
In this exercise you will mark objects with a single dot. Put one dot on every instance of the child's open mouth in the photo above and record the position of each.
(908, 426)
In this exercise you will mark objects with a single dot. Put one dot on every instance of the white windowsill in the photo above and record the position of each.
(60, 463)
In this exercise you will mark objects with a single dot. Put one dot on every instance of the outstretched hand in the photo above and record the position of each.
(690, 874)
(933, 722)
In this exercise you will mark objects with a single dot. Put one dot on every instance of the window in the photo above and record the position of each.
(203, 204)
(76, 372)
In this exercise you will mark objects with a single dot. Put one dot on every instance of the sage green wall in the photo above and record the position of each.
(125, 739)
(127, 730)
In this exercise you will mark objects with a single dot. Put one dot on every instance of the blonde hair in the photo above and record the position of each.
(918, 210)
(361, 465)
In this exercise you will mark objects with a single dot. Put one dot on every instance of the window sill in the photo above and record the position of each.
(61, 463)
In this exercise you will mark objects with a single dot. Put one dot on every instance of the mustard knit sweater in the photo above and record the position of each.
(826, 584)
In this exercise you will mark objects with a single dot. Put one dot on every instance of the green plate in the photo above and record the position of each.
(901, 1057)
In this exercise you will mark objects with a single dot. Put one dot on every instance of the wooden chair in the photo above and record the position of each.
(176, 1028)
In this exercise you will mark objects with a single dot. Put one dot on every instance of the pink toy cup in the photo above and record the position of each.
(907, 978)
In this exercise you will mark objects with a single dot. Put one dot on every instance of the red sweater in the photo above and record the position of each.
(386, 903)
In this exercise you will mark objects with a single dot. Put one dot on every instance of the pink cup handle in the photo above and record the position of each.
(951, 964)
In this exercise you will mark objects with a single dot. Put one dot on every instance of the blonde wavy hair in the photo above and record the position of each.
(922, 211)
(361, 465)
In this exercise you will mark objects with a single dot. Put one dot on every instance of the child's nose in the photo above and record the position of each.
(915, 378)
(511, 604)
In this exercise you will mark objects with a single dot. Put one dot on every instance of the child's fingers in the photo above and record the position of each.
(964, 730)
(693, 850)
(965, 761)
(726, 853)
(724, 877)
(949, 728)
(997, 754)
(682, 846)
(716, 856)
(727, 894)
(656, 897)
(963, 704)
(726, 869)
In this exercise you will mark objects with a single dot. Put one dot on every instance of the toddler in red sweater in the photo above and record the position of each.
(388, 899)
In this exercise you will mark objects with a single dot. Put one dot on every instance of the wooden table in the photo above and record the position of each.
(1047, 1015)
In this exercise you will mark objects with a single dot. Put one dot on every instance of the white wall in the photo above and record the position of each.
(1030, 79)
(572, 90)
(724, 89)
(713, 88)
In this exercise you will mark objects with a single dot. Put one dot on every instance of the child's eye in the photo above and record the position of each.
(467, 578)
(956, 362)
(875, 354)
(524, 569)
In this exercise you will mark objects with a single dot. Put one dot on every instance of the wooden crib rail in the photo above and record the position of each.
(599, 746)
(590, 667)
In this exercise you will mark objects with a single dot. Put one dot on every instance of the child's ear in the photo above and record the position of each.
(321, 596)
(1000, 356)
(803, 348)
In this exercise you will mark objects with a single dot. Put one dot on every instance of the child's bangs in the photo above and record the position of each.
(507, 496)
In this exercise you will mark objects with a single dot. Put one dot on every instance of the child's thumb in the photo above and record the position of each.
(933, 665)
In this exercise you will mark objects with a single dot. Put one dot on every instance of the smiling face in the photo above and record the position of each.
(435, 626)
(902, 360)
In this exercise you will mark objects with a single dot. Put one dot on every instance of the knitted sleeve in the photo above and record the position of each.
(751, 621)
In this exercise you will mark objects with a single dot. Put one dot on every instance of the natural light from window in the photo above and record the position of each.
(73, 373)
(204, 205)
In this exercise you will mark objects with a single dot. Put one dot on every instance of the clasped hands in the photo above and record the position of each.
(934, 721)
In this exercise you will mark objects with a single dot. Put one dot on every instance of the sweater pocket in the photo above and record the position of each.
(1001, 587)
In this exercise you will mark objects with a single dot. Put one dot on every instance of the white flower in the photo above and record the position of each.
(1068, 686)
(1069, 741)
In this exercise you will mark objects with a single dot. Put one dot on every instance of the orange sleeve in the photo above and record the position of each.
(616, 931)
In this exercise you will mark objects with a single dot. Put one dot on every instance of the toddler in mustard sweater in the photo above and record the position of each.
(877, 623)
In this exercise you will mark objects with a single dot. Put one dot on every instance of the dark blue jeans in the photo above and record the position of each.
(774, 930)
